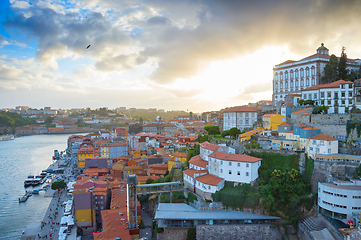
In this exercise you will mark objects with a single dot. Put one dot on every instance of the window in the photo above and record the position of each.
(230, 172)
(342, 94)
(209, 187)
(309, 96)
(286, 75)
(329, 102)
(313, 81)
(238, 173)
(238, 164)
(247, 174)
(291, 75)
(311, 148)
(329, 150)
(221, 170)
(296, 73)
(322, 142)
(215, 169)
(296, 84)
(281, 76)
(350, 94)
(307, 82)
(322, 94)
(230, 163)
(328, 94)
(317, 150)
(301, 72)
(221, 162)
(307, 72)
(313, 71)
(305, 96)
(350, 102)
(276, 77)
(286, 85)
(247, 164)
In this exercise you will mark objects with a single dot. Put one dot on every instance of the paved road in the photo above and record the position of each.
(147, 220)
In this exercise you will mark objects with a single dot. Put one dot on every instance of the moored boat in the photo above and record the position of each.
(29, 181)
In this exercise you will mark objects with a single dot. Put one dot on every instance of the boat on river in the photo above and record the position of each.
(29, 181)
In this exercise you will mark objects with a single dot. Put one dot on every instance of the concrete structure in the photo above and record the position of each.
(240, 117)
(180, 215)
(340, 199)
(290, 77)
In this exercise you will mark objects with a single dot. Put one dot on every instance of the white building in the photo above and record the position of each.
(290, 77)
(338, 96)
(234, 167)
(340, 199)
(216, 164)
(240, 117)
(322, 144)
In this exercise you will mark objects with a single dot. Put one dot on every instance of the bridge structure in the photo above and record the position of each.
(160, 188)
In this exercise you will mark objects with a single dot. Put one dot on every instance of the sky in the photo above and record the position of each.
(197, 55)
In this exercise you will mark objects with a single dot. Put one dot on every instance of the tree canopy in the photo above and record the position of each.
(212, 130)
(331, 70)
(58, 185)
(234, 132)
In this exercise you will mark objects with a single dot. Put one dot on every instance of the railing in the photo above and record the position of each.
(334, 224)
(305, 230)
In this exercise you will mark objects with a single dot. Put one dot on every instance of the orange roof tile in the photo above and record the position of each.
(289, 105)
(302, 110)
(198, 161)
(323, 137)
(335, 84)
(179, 154)
(210, 146)
(234, 157)
(209, 179)
(285, 125)
(242, 109)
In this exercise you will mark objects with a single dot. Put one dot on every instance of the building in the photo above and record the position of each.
(357, 93)
(215, 164)
(178, 159)
(181, 215)
(240, 117)
(84, 207)
(85, 151)
(340, 199)
(322, 144)
(338, 96)
(291, 77)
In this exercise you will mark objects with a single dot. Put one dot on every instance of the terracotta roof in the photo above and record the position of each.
(179, 154)
(285, 125)
(269, 115)
(323, 137)
(335, 84)
(302, 110)
(310, 128)
(198, 161)
(210, 146)
(242, 109)
(190, 172)
(289, 105)
(234, 157)
(302, 125)
(209, 179)
(290, 131)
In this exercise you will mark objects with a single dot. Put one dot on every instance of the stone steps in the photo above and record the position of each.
(313, 224)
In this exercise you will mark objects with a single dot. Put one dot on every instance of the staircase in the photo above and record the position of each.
(313, 224)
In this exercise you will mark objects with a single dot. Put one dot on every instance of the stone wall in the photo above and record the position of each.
(173, 234)
(246, 231)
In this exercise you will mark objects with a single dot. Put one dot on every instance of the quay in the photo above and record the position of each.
(25, 197)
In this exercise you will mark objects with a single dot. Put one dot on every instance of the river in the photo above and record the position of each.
(19, 158)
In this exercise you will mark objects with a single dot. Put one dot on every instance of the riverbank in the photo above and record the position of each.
(7, 137)
(51, 222)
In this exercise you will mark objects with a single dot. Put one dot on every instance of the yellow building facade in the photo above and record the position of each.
(271, 121)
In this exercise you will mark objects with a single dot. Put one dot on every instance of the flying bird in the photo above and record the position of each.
(88, 46)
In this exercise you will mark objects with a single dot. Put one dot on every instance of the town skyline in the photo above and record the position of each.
(191, 56)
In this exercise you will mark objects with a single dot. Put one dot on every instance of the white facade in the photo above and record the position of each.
(291, 77)
(239, 117)
(337, 96)
(340, 199)
(322, 145)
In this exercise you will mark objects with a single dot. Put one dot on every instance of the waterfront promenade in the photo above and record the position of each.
(50, 225)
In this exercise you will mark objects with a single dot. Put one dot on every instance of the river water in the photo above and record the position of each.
(19, 158)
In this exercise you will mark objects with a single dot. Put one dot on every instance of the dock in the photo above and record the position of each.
(25, 197)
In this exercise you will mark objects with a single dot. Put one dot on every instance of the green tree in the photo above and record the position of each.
(212, 130)
(58, 185)
(149, 181)
(342, 66)
(234, 132)
(225, 133)
(331, 72)
(301, 102)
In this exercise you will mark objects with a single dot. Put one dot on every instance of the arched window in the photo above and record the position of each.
(307, 82)
(291, 74)
(286, 84)
(281, 85)
(276, 76)
(281, 76)
(291, 84)
(296, 73)
(286, 75)
(313, 71)
(307, 72)
(296, 83)
(302, 83)
(313, 81)
(301, 72)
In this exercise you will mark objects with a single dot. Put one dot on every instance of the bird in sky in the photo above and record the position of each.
(88, 46)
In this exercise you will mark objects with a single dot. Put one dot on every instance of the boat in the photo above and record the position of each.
(37, 180)
(29, 181)
(43, 173)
